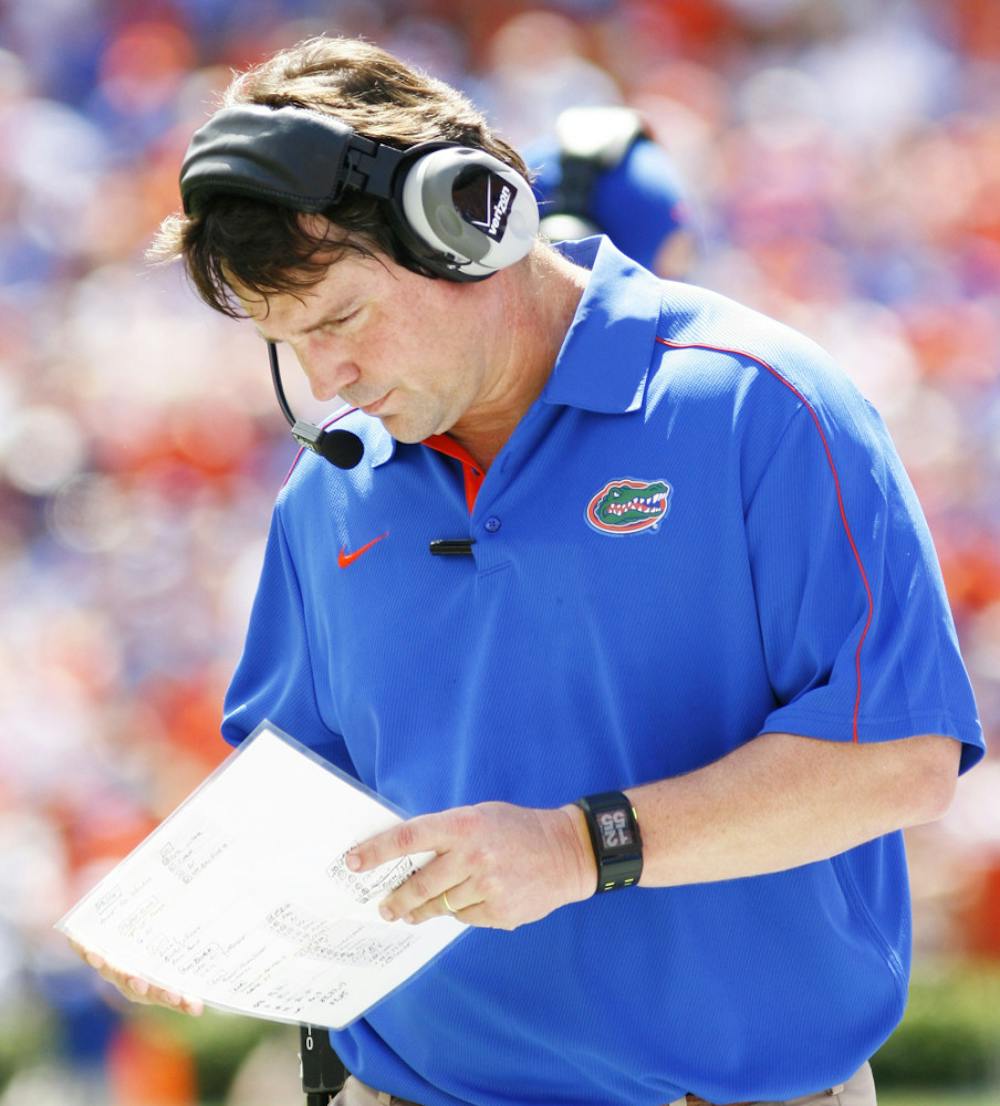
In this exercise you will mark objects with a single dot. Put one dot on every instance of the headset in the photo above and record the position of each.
(456, 212)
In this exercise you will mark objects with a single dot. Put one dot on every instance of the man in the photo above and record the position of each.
(688, 584)
(603, 173)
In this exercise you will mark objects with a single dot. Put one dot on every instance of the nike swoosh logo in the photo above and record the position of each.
(344, 558)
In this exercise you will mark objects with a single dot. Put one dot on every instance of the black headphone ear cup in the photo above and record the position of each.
(474, 213)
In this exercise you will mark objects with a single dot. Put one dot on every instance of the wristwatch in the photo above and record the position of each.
(614, 833)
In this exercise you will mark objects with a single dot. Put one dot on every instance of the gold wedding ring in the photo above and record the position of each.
(447, 905)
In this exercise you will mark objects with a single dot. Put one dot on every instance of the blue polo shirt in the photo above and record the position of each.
(700, 532)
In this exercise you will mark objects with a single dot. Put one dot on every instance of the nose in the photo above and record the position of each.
(326, 369)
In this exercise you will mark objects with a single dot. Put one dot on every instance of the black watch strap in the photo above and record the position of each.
(614, 833)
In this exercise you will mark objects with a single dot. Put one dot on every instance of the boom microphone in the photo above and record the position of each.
(339, 447)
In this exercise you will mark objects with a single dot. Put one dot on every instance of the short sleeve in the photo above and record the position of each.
(858, 636)
(274, 678)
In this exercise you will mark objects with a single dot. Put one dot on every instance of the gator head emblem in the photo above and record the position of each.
(625, 506)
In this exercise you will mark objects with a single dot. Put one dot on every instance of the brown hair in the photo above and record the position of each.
(266, 248)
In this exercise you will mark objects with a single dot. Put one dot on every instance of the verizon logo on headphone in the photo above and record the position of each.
(500, 212)
(487, 208)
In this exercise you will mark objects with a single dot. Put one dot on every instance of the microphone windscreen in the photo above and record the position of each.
(341, 448)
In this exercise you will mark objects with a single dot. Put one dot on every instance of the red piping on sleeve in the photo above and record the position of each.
(840, 499)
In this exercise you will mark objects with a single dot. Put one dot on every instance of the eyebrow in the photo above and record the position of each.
(329, 317)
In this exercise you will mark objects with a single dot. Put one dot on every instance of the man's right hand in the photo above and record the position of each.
(135, 989)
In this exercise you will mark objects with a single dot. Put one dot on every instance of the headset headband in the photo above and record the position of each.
(288, 155)
(457, 212)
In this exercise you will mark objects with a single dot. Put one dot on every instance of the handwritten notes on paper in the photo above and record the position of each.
(241, 897)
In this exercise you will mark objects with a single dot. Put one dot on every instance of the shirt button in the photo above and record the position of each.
(491, 525)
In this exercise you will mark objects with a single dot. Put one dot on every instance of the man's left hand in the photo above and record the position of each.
(499, 865)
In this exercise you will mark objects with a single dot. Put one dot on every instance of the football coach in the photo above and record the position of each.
(617, 587)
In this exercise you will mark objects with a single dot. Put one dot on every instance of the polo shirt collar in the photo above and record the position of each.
(606, 354)
(380, 445)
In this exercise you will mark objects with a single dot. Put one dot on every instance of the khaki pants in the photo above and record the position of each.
(859, 1090)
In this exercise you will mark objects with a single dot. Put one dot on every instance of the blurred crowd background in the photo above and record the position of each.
(842, 162)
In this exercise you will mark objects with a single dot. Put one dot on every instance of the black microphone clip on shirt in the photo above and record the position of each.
(339, 447)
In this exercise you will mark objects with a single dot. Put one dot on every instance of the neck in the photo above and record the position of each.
(534, 307)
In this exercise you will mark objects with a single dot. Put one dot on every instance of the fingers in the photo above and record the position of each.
(478, 914)
(419, 897)
(136, 989)
(449, 834)
(418, 835)
(501, 865)
(455, 901)
(422, 890)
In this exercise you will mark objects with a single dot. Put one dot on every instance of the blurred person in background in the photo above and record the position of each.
(604, 174)
(685, 562)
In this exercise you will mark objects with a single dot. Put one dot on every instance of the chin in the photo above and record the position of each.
(404, 432)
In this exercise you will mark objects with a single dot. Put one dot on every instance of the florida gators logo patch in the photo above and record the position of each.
(627, 506)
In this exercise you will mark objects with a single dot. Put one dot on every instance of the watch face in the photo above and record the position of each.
(614, 827)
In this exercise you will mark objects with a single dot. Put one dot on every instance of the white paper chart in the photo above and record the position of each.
(241, 897)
